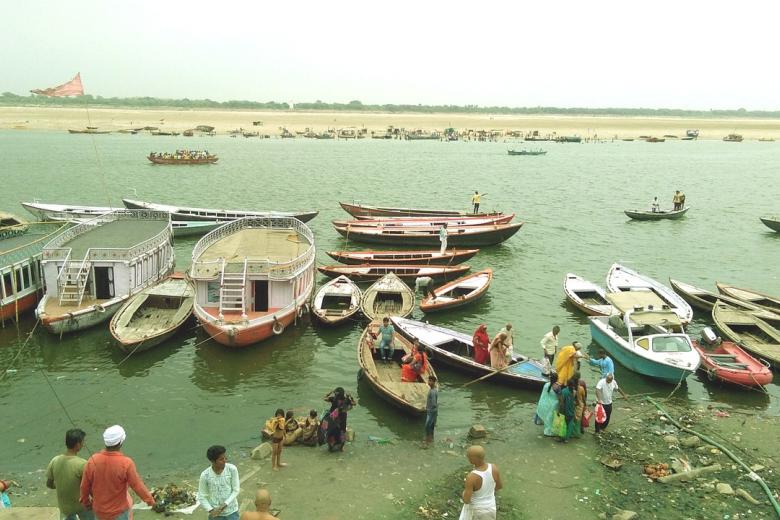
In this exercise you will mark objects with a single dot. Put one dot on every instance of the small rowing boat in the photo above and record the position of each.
(456, 350)
(587, 296)
(772, 223)
(365, 273)
(706, 300)
(363, 210)
(388, 296)
(725, 361)
(337, 301)
(385, 376)
(760, 337)
(458, 292)
(153, 315)
(159, 158)
(639, 214)
(764, 301)
(221, 215)
(448, 257)
(422, 222)
(476, 236)
(526, 152)
(623, 279)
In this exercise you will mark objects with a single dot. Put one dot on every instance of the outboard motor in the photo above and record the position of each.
(709, 337)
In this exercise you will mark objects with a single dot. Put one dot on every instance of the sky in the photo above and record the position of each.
(660, 54)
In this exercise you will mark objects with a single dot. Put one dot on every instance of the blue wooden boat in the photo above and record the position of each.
(649, 342)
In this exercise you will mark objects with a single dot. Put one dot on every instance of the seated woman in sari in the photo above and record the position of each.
(292, 430)
(415, 364)
(309, 429)
(481, 342)
(548, 404)
(566, 362)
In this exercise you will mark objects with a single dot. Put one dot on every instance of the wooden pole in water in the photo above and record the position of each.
(491, 374)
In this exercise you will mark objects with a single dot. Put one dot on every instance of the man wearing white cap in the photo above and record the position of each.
(107, 476)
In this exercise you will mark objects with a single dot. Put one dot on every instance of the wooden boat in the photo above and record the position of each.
(587, 296)
(458, 292)
(655, 140)
(764, 301)
(209, 159)
(385, 377)
(456, 350)
(89, 130)
(733, 138)
(465, 236)
(725, 361)
(417, 222)
(623, 279)
(640, 214)
(649, 342)
(221, 215)
(20, 267)
(568, 139)
(772, 223)
(337, 301)
(364, 273)
(11, 225)
(526, 152)
(766, 139)
(153, 315)
(388, 296)
(91, 269)
(431, 257)
(362, 210)
(254, 278)
(760, 337)
(706, 300)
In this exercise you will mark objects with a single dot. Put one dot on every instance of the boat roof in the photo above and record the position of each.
(663, 318)
(116, 234)
(20, 247)
(630, 300)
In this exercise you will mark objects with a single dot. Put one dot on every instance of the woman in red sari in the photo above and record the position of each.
(481, 341)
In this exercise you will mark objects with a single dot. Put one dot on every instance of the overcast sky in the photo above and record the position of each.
(677, 54)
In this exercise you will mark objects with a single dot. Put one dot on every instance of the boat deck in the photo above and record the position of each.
(53, 307)
(275, 245)
(235, 317)
(118, 234)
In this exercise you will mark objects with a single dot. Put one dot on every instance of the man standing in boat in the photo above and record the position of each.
(476, 199)
(676, 200)
(443, 237)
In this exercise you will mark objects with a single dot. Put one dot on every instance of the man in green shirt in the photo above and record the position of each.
(64, 474)
(386, 347)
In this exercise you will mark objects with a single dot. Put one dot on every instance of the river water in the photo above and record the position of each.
(190, 392)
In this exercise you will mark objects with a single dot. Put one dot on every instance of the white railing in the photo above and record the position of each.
(63, 269)
(285, 271)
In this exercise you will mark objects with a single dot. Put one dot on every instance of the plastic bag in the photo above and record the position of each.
(601, 414)
(586, 416)
(559, 425)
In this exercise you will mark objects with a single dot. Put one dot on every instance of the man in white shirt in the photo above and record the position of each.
(219, 486)
(550, 344)
(604, 390)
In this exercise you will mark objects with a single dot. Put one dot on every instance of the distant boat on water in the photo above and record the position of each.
(526, 152)
(88, 130)
(733, 138)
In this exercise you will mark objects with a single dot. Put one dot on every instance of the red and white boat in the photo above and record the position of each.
(727, 362)
(253, 278)
(436, 222)
(458, 292)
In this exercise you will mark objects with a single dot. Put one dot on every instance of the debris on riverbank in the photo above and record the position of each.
(660, 471)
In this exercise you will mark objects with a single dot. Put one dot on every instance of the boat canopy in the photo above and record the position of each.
(636, 299)
(663, 318)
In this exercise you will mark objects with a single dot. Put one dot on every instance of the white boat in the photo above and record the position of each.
(66, 212)
(337, 301)
(253, 278)
(91, 269)
(587, 296)
(622, 279)
(388, 296)
(650, 342)
(221, 215)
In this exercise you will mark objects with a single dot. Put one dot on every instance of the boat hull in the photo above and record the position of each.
(450, 257)
(181, 213)
(485, 238)
(429, 304)
(80, 319)
(237, 334)
(179, 162)
(756, 374)
(771, 223)
(358, 210)
(659, 215)
(665, 373)
(11, 310)
(404, 272)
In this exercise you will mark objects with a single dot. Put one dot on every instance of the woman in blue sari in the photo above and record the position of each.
(548, 404)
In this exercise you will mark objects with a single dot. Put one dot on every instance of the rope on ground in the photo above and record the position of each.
(21, 349)
(753, 475)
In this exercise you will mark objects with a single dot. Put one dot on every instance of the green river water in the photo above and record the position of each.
(189, 393)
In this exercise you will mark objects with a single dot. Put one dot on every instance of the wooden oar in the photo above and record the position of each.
(492, 374)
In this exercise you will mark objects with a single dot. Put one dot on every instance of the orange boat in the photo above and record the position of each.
(253, 278)
(727, 362)
(458, 292)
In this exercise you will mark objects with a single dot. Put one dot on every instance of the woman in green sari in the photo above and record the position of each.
(568, 401)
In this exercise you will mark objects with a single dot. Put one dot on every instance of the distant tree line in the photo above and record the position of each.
(10, 99)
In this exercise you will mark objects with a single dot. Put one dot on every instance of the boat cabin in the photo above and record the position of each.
(645, 316)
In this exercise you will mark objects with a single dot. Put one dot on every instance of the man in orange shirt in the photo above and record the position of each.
(106, 478)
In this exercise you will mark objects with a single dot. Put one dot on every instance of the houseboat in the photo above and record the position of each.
(20, 270)
(92, 268)
(253, 278)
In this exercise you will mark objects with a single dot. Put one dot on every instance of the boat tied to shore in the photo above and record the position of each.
(417, 257)
(624, 279)
(253, 278)
(11, 225)
(337, 301)
(416, 222)
(464, 236)
(758, 334)
(408, 272)
(363, 210)
(457, 293)
(91, 269)
(388, 296)
(219, 215)
(587, 296)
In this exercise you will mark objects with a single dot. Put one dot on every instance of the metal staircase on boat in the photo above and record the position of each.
(72, 282)
(232, 290)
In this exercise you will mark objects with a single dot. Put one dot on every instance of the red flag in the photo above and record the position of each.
(71, 88)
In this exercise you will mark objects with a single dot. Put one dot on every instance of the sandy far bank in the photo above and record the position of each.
(45, 118)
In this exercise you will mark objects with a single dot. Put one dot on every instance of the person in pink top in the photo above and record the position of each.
(107, 475)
